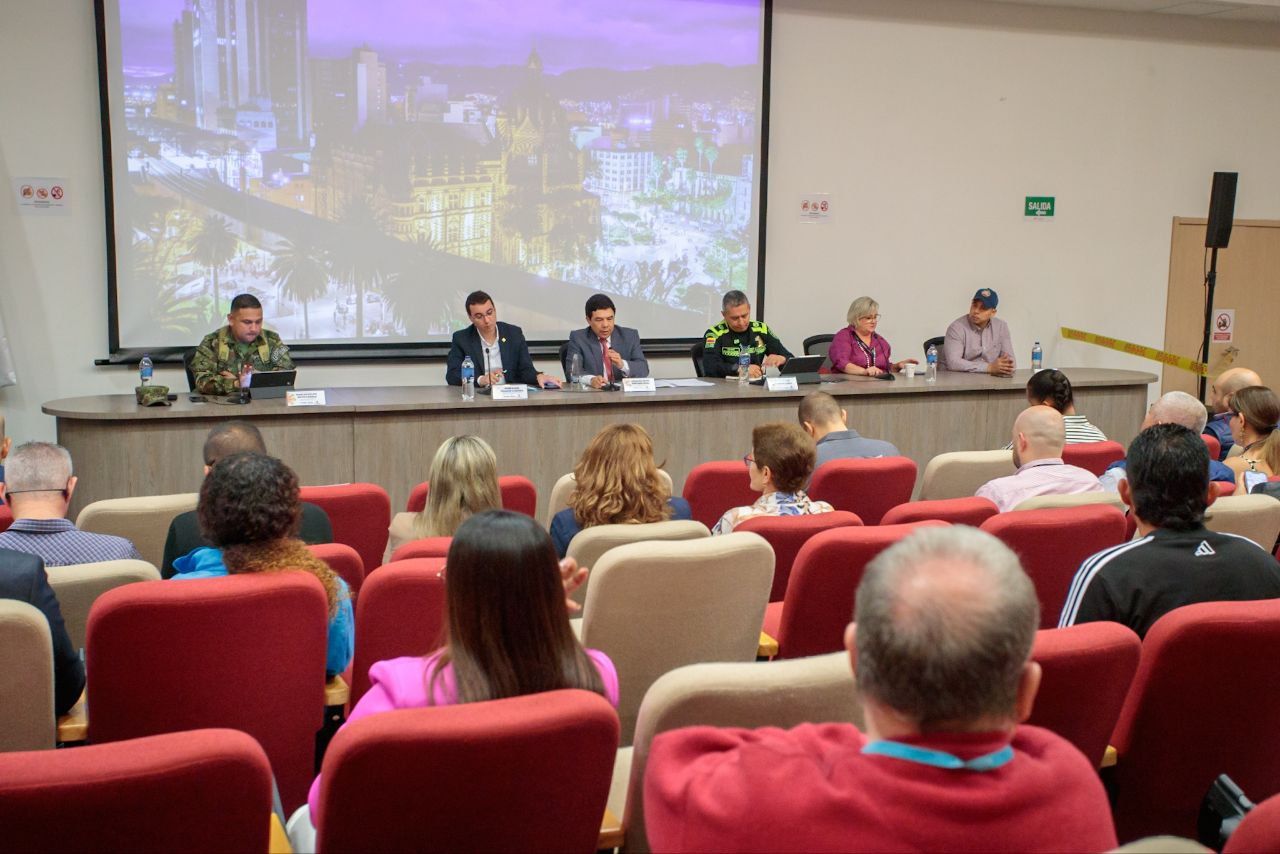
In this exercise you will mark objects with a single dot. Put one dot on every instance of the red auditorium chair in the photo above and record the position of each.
(867, 487)
(426, 547)
(1259, 831)
(958, 511)
(527, 773)
(207, 789)
(6, 518)
(245, 652)
(820, 595)
(788, 534)
(1205, 701)
(1093, 456)
(518, 495)
(360, 514)
(713, 488)
(1215, 447)
(1052, 543)
(343, 560)
(400, 612)
(1087, 672)
(1221, 489)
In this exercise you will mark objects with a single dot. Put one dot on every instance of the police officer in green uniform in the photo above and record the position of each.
(225, 358)
(737, 332)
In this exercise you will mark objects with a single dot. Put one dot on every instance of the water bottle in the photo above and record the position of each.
(1037, 357)
(145, 370)
(468, 379)
(575, 370)
(744, 367)
(931, 364)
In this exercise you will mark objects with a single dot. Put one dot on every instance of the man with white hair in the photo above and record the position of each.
(1221, 390)
(941, 654)
(1039, 435)
(38, 486)
(1176, 407)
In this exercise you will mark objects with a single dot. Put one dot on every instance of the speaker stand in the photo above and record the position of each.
(1211, 281)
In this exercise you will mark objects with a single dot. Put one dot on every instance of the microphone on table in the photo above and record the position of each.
(488, 388)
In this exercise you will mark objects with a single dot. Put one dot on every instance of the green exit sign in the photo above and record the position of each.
(1039, 206)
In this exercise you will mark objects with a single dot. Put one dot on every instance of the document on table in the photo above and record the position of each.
(683, 383)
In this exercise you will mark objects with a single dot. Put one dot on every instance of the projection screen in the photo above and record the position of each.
(361, 166)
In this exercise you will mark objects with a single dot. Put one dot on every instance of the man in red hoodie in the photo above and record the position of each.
(945, 620)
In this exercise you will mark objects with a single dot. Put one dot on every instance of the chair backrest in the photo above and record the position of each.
(818, 345)
(868, 487)
(526, 773)
(360, 513)
(6, 517)
(712, 488)
(824, 579)
(78, 586)
(343, 560)
(1087, 670)
(26, 679)
(245, 651)
(517, 492)
(1093, 456)
(936, 341)
(971, 511)
(1075, 499)
(187, 356)
(958, 474)
(589, 545)
(428, 547)
(788, 534)
(1253, 515)
(1221, 488)
(400, 612)
(562, 356)
(208, 789)
(1259, 831)
(695, 353)
(1205, 701)
(143, 520)
(1214, 446)
(564, 488)
(656, 606)
(779, 694)
(1052, 544)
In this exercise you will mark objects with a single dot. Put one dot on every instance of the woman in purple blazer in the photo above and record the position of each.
(858, 349)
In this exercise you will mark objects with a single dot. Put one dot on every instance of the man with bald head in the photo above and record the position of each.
(1039, 435)
(1176, 407)
(941, 655)
(1228, 383)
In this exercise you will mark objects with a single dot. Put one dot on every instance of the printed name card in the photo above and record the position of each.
(781, 384)
(313, 397)
(638, 385)
(511, 391)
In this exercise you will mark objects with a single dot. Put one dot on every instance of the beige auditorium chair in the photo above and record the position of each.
(143, 520)
(587, 547)
(78, 585)
(780, 694)
(1046, 502)
(656, 606)
(958, 474)
(26, 678)
(564, 488)
(1254, 516)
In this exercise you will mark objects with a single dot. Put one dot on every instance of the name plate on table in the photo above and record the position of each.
(638, 385)
(314, 397)
(781, 384)
(511, 391)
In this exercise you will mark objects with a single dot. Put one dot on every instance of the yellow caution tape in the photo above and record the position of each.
(1172, 359)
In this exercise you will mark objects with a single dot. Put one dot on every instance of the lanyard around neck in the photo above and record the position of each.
(939, 758)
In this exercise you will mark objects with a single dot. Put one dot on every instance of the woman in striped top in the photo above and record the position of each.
(1052, 388)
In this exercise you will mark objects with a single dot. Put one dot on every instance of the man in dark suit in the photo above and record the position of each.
(22, 577)
(608, 352)
(498, 350)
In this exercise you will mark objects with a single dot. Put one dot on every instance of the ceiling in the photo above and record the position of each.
(1262, 11)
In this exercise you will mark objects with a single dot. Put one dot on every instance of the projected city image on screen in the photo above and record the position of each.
(361, 166)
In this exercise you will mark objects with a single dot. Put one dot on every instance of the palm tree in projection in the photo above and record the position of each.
(700, 145)
(301, 273)
(213, 246)
(357, 258)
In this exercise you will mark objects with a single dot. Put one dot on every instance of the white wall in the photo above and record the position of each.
(927, 122)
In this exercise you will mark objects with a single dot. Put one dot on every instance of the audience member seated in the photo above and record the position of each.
(38, 486)
(616, 482)
(249, 512)
(858, 349)
(1254, 413)
(1175, 560)
(1052, 388)
(227, 438)
(464, 481)
(1221, 390)
(779, 465)
(508, 635)
(823, 419)
(941, 654)
(1175, 407)
(1038, 438)
(22, 577)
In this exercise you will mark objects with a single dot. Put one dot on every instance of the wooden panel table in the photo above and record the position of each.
(388, 435)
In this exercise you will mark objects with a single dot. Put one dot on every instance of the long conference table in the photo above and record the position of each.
(389, 435)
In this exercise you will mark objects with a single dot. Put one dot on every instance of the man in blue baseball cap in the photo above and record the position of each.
(979, 341)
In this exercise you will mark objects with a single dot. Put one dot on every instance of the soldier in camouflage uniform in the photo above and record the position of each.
(738, 332)
(225, 357)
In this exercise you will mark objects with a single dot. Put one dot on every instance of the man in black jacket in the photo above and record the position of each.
(22, 577)
(497, 349)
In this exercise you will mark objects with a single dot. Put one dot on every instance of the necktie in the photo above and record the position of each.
(604, 358)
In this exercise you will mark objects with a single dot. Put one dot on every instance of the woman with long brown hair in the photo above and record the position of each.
(1255, 411)
(617, 484)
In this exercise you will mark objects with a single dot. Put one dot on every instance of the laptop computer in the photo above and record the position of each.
(265, 385)
(803, 368)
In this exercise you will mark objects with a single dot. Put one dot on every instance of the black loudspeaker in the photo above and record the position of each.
(1222, 208)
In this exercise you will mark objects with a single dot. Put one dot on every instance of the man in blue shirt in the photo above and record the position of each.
(1176, 407)
(1228, 383)
(823, 419)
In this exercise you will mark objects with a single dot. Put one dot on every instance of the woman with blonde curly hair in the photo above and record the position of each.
(464, 481)
(617, 483)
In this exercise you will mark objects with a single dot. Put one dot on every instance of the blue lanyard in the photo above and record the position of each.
(939, 758)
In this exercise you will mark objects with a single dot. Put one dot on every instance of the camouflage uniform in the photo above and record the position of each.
(220, 351)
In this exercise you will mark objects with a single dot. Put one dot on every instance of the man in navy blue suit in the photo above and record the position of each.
(608, 352)
(497, 349)
(22, 577)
